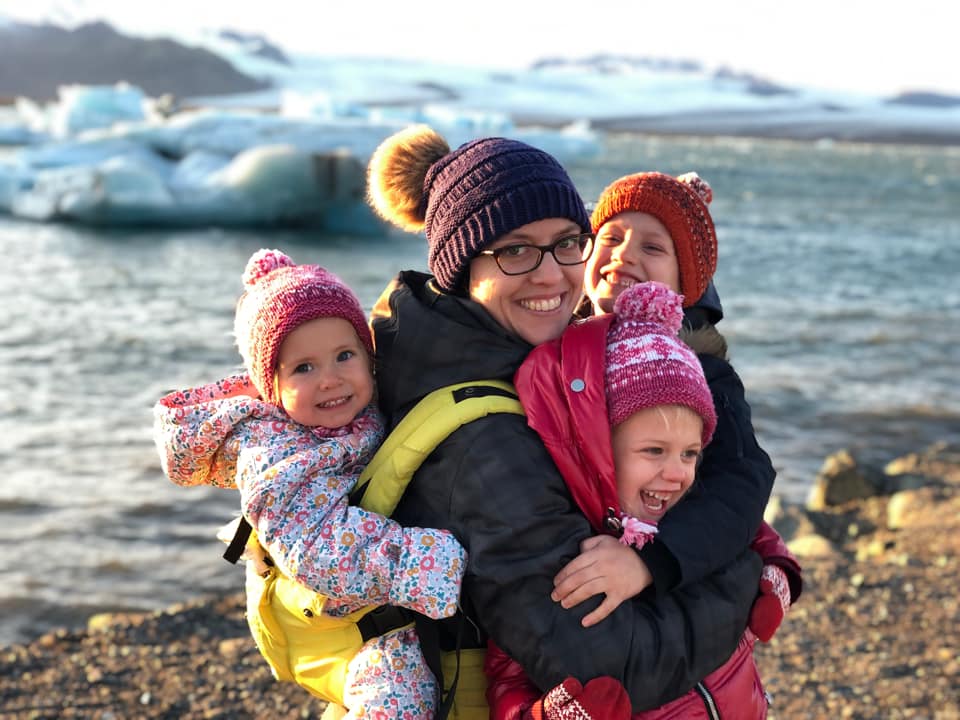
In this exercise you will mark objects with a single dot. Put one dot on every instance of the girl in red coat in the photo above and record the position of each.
(625, 410)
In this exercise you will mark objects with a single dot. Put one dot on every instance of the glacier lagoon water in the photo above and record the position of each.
(838, 268)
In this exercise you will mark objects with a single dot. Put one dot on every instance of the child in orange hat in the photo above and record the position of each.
(651, 226)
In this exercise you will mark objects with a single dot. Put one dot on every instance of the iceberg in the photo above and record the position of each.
(107, 155)
(84, 107)
(263, 186)
(16, 128)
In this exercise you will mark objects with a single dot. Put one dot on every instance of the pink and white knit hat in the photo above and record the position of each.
(647, 364)
(279, 297)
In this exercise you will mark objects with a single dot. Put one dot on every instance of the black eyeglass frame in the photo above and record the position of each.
(543, 250)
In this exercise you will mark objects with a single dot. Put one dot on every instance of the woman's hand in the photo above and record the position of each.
(605, 566)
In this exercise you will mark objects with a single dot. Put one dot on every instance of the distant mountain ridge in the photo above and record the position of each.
(615, 64)
(256, 45)
(616, 92)
(610, 64)
(36, 59)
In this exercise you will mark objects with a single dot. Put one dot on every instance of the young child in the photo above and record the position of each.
(293, 435)
(626, 466)
(651, 226)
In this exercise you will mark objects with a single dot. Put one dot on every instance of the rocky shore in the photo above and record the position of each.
(874, 635)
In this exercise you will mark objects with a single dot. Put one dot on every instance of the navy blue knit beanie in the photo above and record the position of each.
(485, 189)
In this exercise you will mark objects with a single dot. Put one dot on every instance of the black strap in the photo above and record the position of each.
(472, 391)
(384, 619)
(429, 636)
(357, 494)
(235, 548)
(447, 704)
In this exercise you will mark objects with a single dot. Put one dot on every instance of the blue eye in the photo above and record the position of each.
(345, 355)
(303, 368)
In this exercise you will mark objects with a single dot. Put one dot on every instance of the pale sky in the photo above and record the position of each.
(856, 45)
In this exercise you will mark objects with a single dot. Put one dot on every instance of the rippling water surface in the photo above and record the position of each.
(838, 272)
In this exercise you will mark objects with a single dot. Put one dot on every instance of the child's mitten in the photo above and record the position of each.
(602, 698)
(771, 604)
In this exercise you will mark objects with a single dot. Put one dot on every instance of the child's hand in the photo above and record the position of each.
(602, 698)
(771, 604)
(603, 566)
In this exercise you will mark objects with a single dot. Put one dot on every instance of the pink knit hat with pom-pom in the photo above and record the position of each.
(279, 297)
(647, 364)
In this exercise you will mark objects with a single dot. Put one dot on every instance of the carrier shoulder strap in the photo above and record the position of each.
(432, 420)
(383, 482)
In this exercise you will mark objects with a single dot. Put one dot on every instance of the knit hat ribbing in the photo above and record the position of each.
(470, 197)
(681, 204)
(647, 364)
(279, 297)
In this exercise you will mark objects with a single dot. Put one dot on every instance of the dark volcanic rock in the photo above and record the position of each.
(36, 59)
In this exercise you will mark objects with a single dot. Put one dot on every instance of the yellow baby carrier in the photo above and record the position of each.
(303, 645)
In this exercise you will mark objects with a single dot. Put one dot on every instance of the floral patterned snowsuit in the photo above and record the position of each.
(294, 482)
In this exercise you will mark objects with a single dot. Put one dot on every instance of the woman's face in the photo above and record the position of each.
(537, 305)
(631, 247)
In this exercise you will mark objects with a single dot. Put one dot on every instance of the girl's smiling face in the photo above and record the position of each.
(655, 453)
(324, 376)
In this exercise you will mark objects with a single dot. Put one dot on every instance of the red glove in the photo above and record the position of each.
(771, 604)
(602, 698)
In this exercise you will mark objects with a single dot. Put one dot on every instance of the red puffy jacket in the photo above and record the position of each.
(571, 419)
(731, 692)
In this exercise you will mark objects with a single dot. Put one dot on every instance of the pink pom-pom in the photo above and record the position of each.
(263, 262)
(650, 302)
(699, 185)
(636, 532)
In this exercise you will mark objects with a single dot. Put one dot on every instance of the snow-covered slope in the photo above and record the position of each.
(612, 92)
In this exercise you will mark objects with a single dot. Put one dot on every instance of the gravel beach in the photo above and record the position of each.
(876, 633)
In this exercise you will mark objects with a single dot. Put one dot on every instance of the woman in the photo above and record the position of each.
(507, 237)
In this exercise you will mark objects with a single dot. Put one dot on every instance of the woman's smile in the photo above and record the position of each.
(541, 305)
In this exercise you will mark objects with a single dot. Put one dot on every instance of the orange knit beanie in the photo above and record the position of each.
(679, 203)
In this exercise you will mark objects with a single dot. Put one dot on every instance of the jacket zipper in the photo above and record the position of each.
(712, 712)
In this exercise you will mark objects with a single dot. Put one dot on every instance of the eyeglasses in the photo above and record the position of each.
(521, 259)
